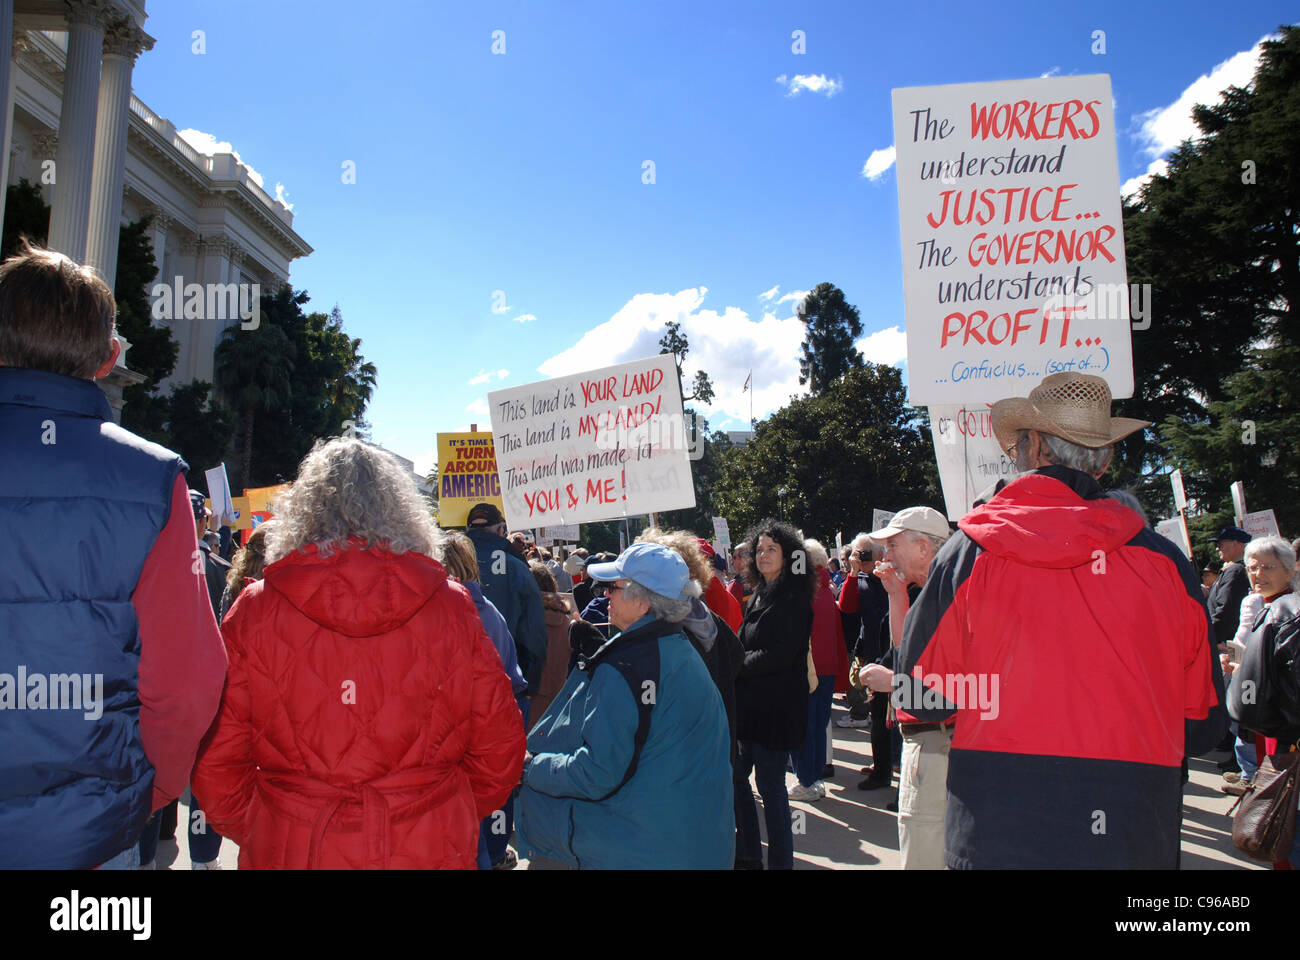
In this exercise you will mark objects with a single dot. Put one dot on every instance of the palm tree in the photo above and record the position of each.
(252, 368)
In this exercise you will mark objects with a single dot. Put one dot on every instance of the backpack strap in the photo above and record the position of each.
(635, 656)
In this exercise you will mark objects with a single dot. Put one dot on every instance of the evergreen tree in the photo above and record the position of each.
(833, 325)
(1217, 237)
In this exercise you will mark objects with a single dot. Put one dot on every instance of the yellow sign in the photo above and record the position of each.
(467, 474)
(259, 498)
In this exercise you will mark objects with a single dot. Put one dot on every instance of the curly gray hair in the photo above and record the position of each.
(670, 609)
(346, 488)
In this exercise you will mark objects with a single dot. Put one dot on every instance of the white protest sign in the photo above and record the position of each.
(1261, 523)
(880, 518)
(597, 445)
(720, 530)
(967, 453)
(219, 492)
(566, 532)
(1180, 495)
(1012, 237)
(1238, 490)
(1176, 530)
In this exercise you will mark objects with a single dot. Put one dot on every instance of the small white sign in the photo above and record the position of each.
(881, 518)
(1176, 530)
(565, 532)
(1180, 495)
(1261, 523)
(219, 492)
(1238, 499)
(967, 452)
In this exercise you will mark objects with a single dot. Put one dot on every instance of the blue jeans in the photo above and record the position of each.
(1245, 758)
(205, 843)
(769, 766)
(811, 760)
(128, 859)
(493, 845)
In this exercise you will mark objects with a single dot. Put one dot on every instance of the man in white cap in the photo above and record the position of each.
(911, 539)
(1074, 645)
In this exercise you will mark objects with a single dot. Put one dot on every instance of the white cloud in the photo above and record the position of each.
(426, 462)
(1163, 128)
(479, 406)
(482, 377)
(502, 374)
(879, 162)
(209, 146)
(727, 344)
(524, 318)
(812, 82)
(794, 296)
(888, 346)
(1050, 73)
(769, 294)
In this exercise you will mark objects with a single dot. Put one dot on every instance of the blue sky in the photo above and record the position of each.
(499, 229)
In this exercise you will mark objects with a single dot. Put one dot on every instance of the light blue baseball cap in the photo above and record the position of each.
(652, 565)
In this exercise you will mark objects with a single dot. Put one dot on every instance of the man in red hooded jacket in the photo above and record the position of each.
(1074, 645)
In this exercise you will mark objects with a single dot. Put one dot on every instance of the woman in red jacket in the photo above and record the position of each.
(366, 720)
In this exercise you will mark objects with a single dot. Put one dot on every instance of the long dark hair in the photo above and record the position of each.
(802, 582)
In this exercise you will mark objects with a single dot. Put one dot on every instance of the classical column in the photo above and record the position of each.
(187, 331)
(123, 42)
(158, 226)
(74, 163)
(6, 96)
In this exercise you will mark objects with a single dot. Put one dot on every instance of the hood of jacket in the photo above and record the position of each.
(358, 591)
(699, 624)
(1055, 517)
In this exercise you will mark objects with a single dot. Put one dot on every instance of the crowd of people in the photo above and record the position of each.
(355, 687)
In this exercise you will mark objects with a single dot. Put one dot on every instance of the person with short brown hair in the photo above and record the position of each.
(97, 541)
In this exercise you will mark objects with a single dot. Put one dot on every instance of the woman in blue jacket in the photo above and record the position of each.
(629, 767)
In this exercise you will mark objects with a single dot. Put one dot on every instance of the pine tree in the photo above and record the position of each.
(833, 326)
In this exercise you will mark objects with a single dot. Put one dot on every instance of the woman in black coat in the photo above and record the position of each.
(772, 690)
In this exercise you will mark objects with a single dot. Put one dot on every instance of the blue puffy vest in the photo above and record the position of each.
(82, 502)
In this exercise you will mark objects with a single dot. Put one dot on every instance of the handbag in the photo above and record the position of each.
(1264, 825)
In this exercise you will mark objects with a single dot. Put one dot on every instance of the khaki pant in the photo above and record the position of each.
(923, 799)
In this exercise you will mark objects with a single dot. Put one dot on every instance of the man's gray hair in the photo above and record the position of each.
(1089, 460)
(936, 543)
(670, 609)
(1130, 501)
(1280, 550)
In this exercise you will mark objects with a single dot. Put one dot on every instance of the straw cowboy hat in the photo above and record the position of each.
(1072, 406)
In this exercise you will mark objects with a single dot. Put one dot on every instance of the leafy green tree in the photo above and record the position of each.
(26, 215)
(1218, 237)
(833, 326)
(858, 447)
(253, 368)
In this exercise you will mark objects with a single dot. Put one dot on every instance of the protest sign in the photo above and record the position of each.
(597, 445)
(1175, 529)
(721, 532)
(1180, 495)
(219, 493)
(1012, 237)
(880, 518)
(1261, 523)
(559, 533)
(970, 461)
(1238, 490)
(467, 475)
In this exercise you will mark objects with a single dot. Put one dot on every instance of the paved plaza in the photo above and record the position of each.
(852, 829)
